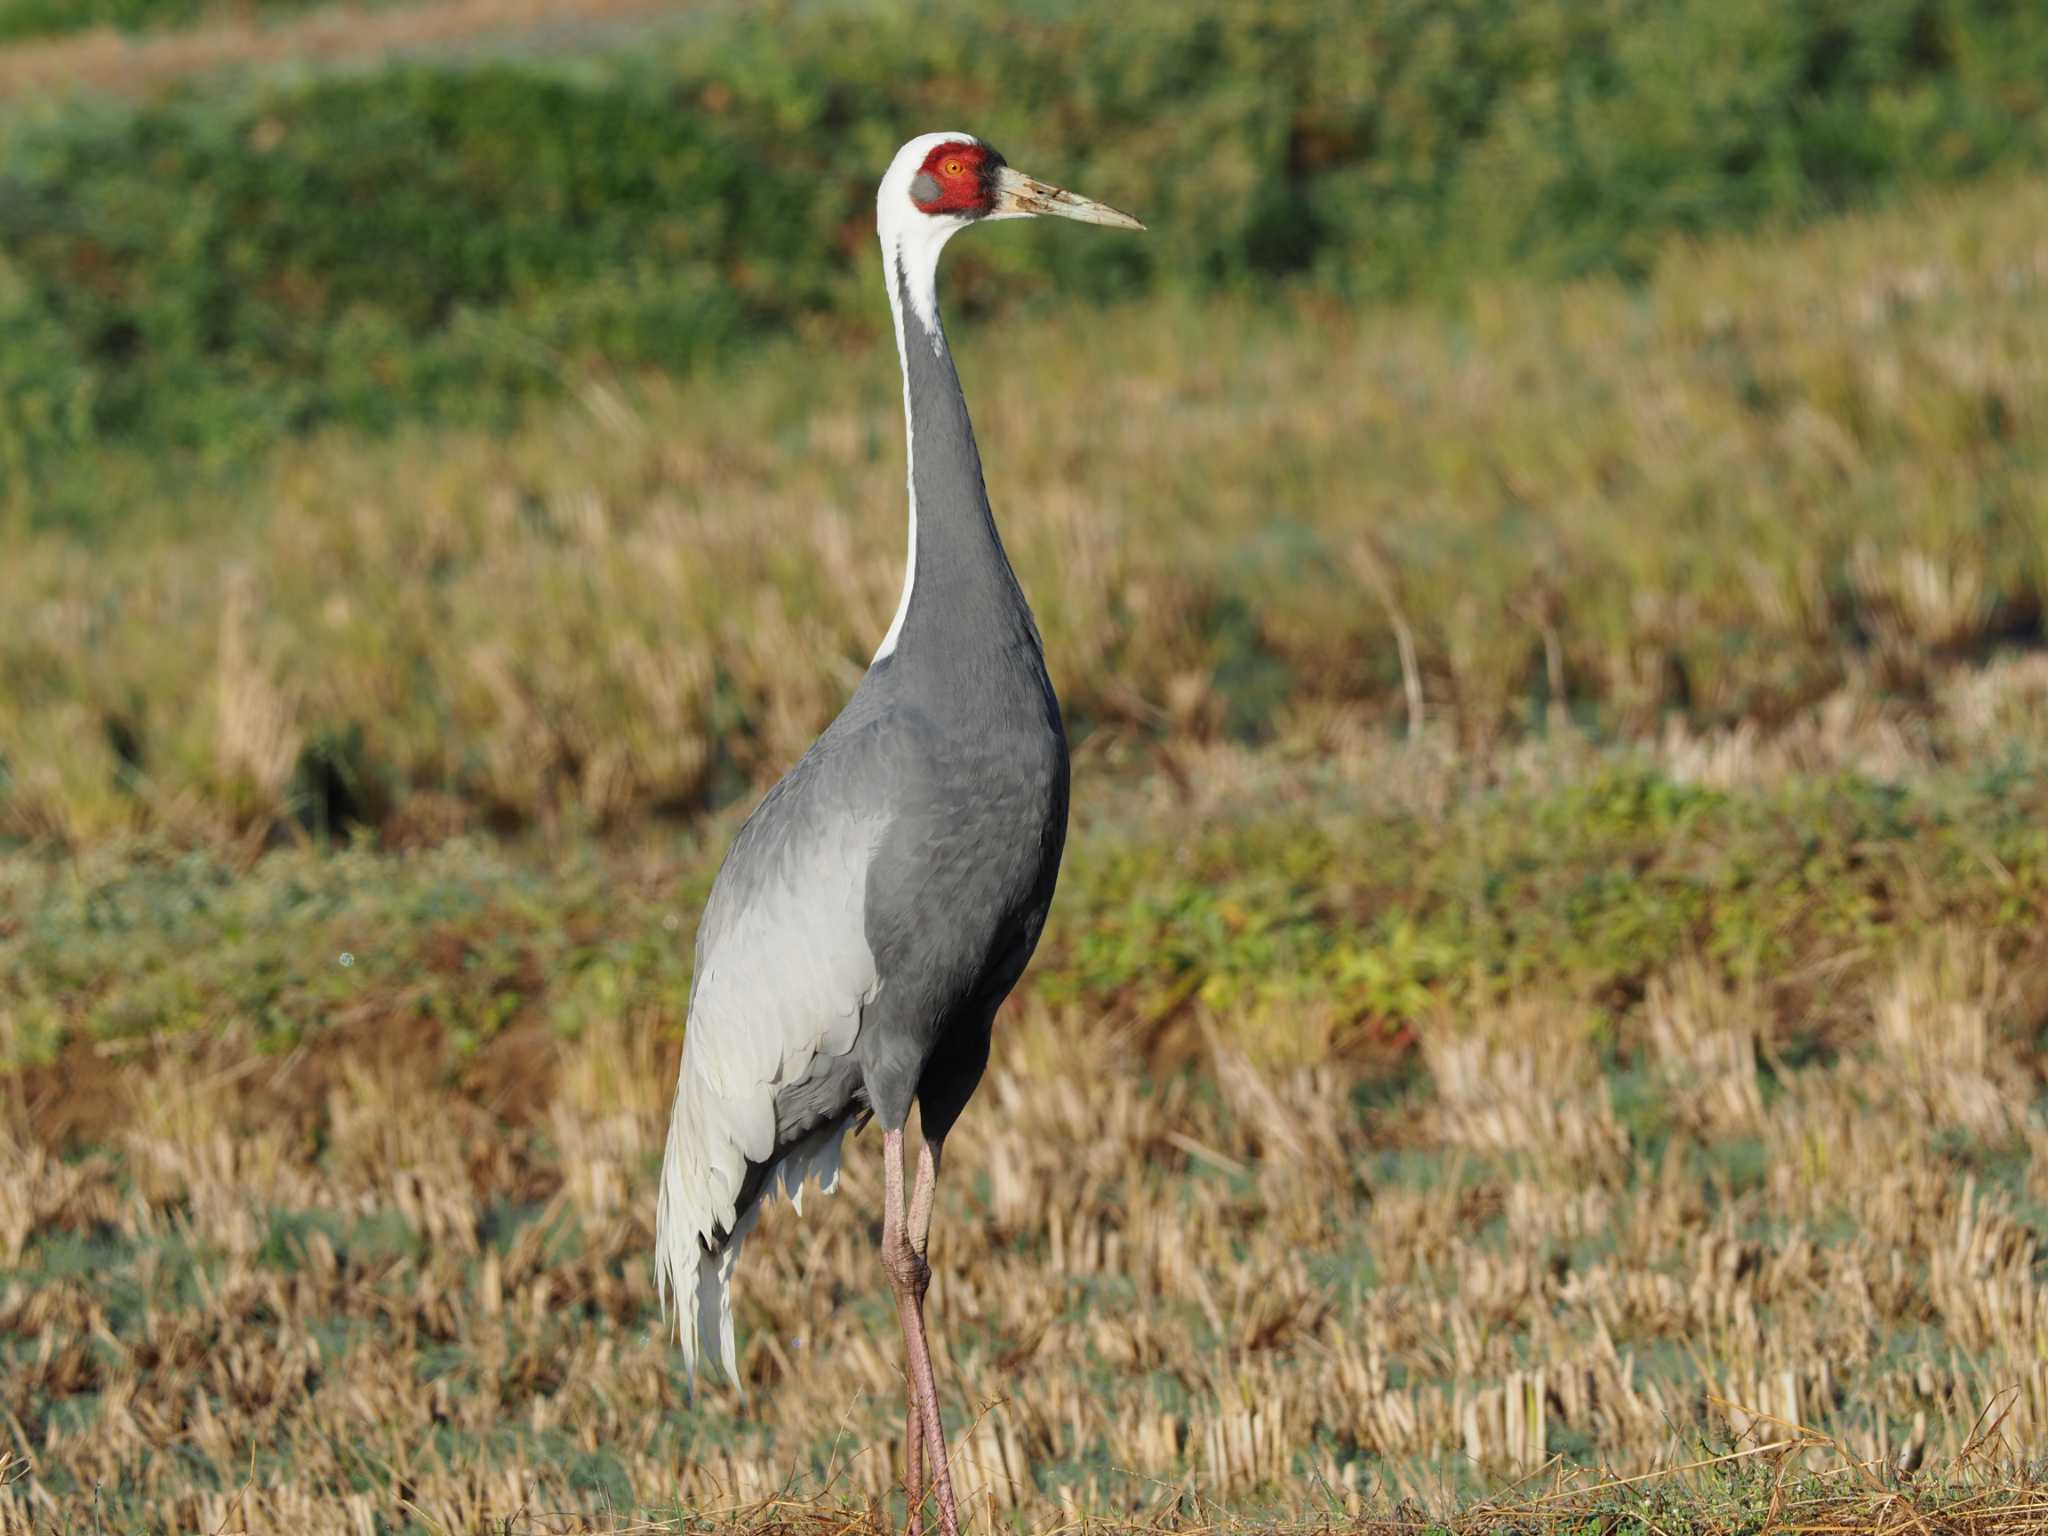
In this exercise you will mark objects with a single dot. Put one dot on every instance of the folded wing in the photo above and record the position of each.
(783, 970)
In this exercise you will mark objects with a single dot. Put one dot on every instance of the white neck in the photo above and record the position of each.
(911, 242)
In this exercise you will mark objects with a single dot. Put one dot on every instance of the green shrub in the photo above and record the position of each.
(47, 18)
(443, 241)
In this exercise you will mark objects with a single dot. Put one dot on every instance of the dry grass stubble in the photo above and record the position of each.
(305, 1296)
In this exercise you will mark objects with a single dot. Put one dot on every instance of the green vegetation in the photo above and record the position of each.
(21, 19)
(1336, 916)
(204, 275)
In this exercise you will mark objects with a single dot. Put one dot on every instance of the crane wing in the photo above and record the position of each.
(783, 970)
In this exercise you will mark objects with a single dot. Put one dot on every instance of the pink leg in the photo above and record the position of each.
(919, 1234)
(903, 1255)
(913, 1480)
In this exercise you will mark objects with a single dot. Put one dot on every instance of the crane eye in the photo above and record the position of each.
(955, 168)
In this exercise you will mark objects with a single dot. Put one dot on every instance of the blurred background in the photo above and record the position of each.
(1542, 549)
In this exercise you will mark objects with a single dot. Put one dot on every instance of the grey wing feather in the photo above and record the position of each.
(783, 972)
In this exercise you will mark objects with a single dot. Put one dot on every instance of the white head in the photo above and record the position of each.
(938, 184)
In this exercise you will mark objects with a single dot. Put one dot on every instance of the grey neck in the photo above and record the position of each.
(964, 599)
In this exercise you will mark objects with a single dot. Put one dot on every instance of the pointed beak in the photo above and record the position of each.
(1021, 197)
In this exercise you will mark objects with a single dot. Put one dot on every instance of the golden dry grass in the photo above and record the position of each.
(1233, 521)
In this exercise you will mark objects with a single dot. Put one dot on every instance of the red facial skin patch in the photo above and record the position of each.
(964, 175)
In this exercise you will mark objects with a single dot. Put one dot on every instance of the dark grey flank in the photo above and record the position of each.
(955, 740)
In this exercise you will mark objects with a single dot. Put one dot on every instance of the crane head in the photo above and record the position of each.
(956, 179)
(938, 185)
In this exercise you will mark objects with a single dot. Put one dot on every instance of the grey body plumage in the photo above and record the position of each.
(974, 802)
(883, 899)
(959, 889)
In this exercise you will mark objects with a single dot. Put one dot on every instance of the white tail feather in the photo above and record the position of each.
(815, 1159)
(714, 1301)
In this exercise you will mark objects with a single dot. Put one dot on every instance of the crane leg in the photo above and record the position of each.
(919, 1236)
(913, 1478)
(904, 1241)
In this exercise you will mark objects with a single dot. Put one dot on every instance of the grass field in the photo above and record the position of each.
(1545, 1022)
(1442, 1114)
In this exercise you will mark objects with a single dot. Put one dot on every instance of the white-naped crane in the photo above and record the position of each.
(881, 902)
